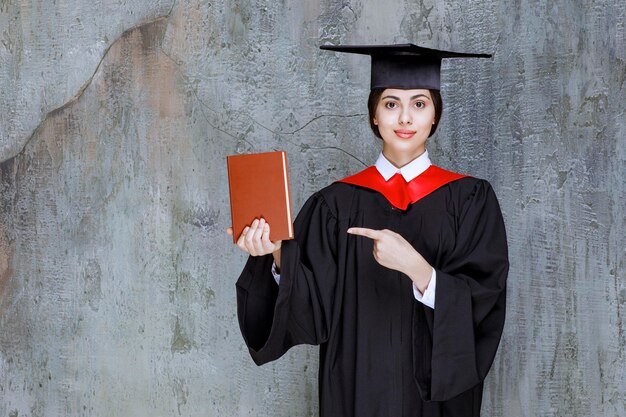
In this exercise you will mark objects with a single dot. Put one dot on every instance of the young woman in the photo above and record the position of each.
(397, 272)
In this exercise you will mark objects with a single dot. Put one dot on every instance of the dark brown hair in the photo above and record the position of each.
(374, 98)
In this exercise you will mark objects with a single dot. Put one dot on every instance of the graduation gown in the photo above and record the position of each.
(382, 352)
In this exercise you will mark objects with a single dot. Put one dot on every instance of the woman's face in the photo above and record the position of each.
(404, 119)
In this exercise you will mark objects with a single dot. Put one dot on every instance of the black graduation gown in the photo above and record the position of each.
(382, 352)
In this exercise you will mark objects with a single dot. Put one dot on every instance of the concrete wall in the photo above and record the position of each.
(116, 278)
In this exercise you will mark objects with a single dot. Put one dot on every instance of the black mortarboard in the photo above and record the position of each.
(403, 65)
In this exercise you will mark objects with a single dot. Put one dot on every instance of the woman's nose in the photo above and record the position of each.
(405, 117)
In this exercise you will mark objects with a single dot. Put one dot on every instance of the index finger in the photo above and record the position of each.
(364, 231)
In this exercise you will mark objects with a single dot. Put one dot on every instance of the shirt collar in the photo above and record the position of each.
(409, 171)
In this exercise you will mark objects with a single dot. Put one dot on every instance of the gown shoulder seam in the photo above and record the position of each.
(319, 195)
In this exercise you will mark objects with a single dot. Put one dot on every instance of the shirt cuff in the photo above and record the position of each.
(275, 274)
(428, 298)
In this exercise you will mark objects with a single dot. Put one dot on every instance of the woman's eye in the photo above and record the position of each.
(420, 104)
(390, 105)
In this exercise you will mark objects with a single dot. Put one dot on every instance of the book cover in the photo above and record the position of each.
(259, 187)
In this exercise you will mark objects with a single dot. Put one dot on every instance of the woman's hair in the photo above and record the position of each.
(374, 98)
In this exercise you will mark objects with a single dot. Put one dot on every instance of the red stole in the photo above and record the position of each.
(397, 191)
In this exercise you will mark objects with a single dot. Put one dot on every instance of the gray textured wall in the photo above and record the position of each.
(116, 278)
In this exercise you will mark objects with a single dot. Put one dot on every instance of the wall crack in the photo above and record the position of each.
(86, 84)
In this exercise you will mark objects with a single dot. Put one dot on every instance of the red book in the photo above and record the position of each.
(259, 187)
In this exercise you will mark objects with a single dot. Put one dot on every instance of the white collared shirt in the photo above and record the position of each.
(409, 172)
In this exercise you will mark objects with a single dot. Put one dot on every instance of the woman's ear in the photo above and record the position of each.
(376, 121)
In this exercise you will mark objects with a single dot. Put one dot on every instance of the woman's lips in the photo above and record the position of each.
(405, 134)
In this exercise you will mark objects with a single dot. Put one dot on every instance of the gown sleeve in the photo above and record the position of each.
(454, 345)
(273, 318)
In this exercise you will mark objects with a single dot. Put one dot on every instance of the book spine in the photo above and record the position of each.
(287, 194)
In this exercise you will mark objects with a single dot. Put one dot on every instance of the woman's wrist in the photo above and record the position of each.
(419, 271)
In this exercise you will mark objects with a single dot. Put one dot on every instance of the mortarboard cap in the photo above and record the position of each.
(403, 65)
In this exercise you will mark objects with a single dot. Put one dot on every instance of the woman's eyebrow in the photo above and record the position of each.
(412, 98)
